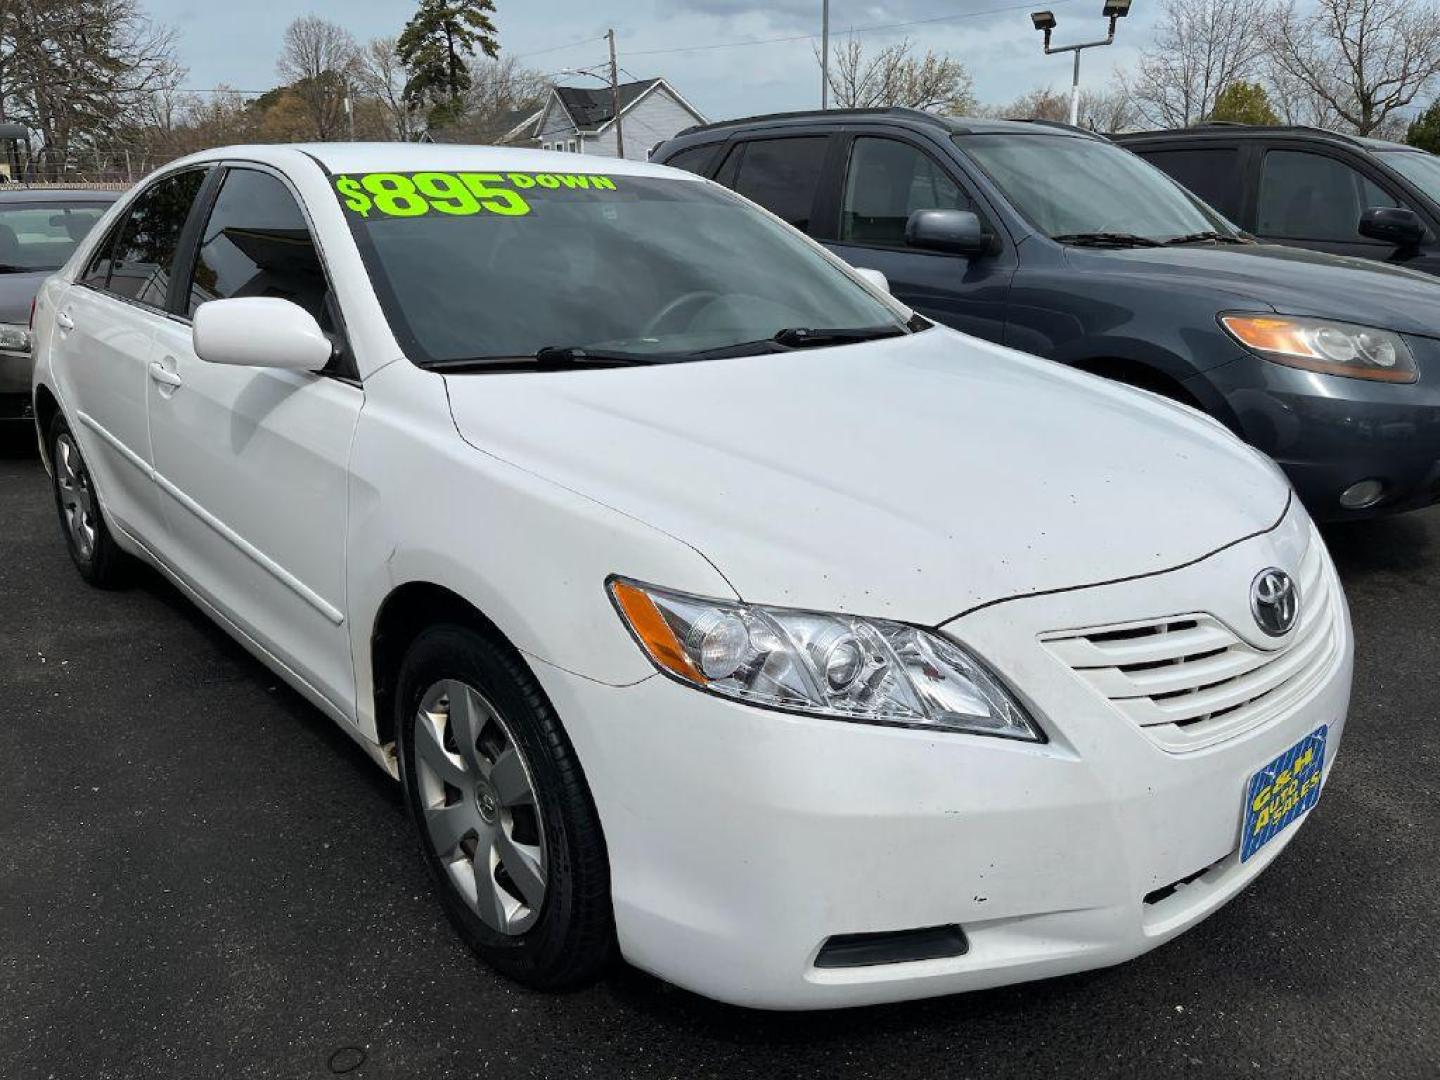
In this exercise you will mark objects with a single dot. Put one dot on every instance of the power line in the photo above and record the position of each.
(557, 48)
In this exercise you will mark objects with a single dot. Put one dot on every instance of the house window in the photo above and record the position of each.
(571, 146)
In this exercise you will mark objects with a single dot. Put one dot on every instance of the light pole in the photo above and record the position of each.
(1045, 22)
(825, 54)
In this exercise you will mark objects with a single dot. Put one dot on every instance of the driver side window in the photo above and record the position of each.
(1306, 196)
(888, 181)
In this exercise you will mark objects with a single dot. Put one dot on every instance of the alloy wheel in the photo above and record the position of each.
(480, 811)
(77, 497)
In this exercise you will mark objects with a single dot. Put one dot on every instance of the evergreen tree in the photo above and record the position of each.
(1424, 130)
(1243, 103)
(433, 47)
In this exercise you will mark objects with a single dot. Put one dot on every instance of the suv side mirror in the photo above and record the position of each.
(955, 231)
(259, 331)
(1393, 225)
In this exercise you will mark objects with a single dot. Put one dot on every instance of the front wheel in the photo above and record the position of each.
(92, 549)
(506, 824)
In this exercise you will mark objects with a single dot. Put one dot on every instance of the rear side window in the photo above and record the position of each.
(887, 182)
(258, 243)
(144, 254)
(1306, 196)
(697, 159)
(1212, 173)
(782, 175)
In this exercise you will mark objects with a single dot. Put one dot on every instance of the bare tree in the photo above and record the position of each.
(1361, 59)
(1200, 47)
(1105, 110)
(893, 76)
(319, 61)
(501, 94)
(381, 75)
(77, 72)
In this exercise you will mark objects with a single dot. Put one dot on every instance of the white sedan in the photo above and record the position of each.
(710, 605)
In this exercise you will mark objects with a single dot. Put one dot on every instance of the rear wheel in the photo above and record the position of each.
(92, 548)
(506, 824)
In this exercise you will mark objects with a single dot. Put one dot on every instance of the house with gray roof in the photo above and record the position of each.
(581, 120)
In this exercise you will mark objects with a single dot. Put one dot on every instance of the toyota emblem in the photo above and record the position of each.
(1274, 601)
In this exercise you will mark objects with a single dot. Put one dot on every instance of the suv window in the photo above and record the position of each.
(1213, 173)
(782, 175)
(144, 254)
(258, 243)
(887, 181)
(1305, 196)
(697, 159)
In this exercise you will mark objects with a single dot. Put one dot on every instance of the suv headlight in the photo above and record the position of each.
(14, 339)
(869, 670)
(1333, 348)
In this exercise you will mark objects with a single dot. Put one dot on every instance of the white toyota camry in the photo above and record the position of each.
(709, 604)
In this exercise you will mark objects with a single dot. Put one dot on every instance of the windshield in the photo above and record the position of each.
(1421, 169)
(1068, 186)
(42, 235)
(479, 266)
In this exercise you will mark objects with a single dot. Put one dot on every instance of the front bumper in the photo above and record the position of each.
(1329, 433)
(740, 840)
(15, 375)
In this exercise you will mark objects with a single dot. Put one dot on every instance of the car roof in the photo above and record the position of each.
(1223, 130)
(953, 125)
(412, 157)
(15, 193)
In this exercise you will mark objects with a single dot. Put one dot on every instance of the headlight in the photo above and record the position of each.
(838, 666)
(15, 339)
(1357, 352)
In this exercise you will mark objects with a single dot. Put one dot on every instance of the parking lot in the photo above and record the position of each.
(203, 876)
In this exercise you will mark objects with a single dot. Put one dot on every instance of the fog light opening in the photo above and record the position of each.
(1363, 495)
(892, 947)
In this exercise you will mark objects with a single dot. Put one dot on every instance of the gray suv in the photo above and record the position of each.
(1058, 242)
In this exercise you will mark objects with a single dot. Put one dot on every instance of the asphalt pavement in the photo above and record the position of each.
(200, 876)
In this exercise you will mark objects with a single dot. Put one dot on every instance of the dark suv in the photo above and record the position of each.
(1058, 242)
(1310, 188)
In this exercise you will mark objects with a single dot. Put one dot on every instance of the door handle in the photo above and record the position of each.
(65, 322)
(163, 375)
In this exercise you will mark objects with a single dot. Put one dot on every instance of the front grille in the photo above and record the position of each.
(1189, 681)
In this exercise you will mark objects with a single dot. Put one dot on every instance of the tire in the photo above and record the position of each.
(92, 549)
(469, 809)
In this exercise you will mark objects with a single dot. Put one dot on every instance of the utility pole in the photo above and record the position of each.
(615, 96)
(825, 54)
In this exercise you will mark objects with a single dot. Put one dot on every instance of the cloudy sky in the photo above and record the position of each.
(721, 54)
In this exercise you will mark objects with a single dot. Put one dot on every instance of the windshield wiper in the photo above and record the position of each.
(1203, 237)
(804, 337)
(551, 358)
(11, 268)
(1105, 239)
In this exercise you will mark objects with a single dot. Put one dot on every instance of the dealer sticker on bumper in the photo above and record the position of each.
(1282, 791)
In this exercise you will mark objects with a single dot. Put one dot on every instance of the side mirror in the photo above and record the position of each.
(874, 277)
(955, 231)
(1393, 225)
(259, 331)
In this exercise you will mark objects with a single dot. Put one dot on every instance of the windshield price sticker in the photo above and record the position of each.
(457, 194)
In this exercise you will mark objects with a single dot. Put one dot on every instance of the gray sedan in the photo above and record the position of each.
(39, 228)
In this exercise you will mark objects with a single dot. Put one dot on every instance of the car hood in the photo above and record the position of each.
(1290, 280)
(914, 478)
(16, 293)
